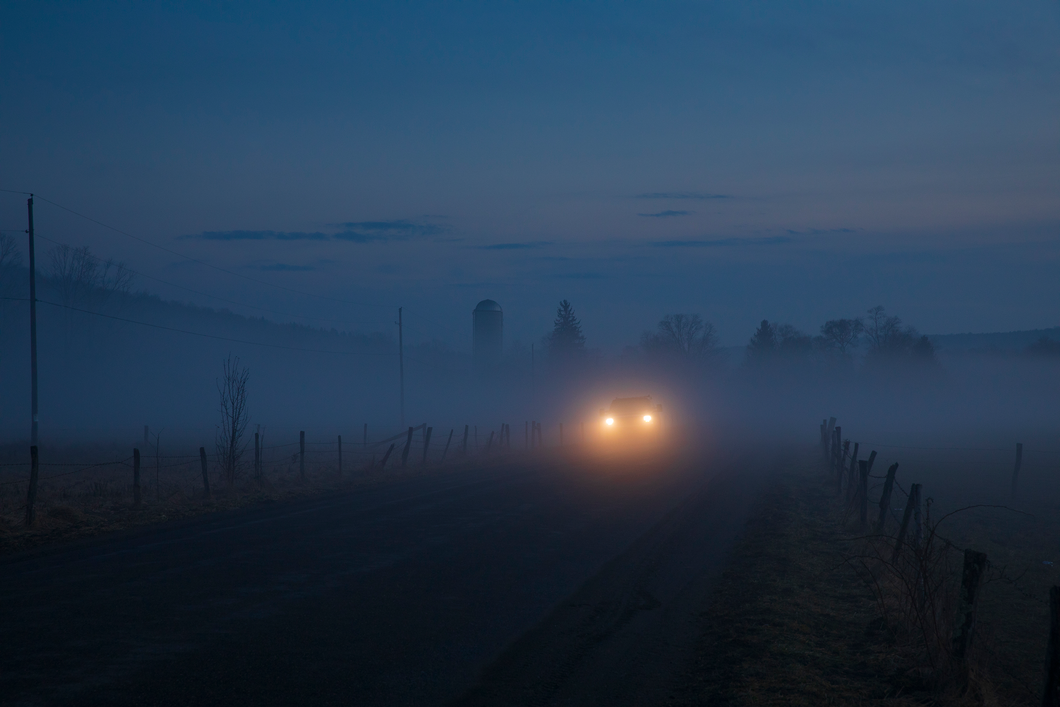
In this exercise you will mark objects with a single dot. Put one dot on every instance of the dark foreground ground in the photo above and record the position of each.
(553, 582)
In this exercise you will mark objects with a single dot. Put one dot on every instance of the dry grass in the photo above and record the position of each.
(811, 613)
(100, 500)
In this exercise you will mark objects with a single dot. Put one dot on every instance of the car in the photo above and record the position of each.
(631, 419)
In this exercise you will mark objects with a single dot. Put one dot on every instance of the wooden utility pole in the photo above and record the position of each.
(401, 364)
(32, 330)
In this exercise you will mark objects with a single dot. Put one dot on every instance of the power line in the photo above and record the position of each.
(204, 263)
(217, 297)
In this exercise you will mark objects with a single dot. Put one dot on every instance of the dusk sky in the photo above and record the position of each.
(746, 160)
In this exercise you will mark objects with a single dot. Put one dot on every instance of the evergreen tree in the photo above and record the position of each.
(763, 344)
(566, 339)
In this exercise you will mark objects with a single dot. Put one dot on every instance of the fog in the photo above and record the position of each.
(113, 359)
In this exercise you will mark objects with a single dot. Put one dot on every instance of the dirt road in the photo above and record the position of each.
(400, 594)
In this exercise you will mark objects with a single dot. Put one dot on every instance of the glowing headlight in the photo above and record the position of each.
(647, 418)
(609, 421)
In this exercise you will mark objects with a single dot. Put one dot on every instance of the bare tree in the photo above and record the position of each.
(80, 276)
(842, 335)
(232, 389)
(683, 334)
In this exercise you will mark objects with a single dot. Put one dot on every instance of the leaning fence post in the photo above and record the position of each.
(885, 499)
(964, 627)
(205, 475)
(340, 455)
(1016, 469)
(427, 443)
(850, 479)
(301, 454)
(1051, 698)
(447, 443)
(863, 491)
(912, 500)
(824, 441)
(387, 456)
(405, 451)
(136, 478)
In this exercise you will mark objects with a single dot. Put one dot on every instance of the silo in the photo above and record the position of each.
(488, 332)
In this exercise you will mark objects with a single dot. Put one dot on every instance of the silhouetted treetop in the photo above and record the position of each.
(566, 338)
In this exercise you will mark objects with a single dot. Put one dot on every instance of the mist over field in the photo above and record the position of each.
(105, 373)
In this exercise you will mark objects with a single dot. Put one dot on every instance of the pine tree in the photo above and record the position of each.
(566, 339)
(763, 344)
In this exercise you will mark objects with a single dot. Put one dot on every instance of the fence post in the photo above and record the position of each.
(205, 475)
(465, 439)
(387, 456)
(964, 627)
(136, 478)
(31, 496)
(838, 457)
(912, 500)
(447, 443)
(301, 454)
(824, 441)
(427, 443)
(885, 499)
(1016, 469)
(489, 444)
(340, 456)
(405, 451)
(1051, 698)
(853, 465)
(863, 491)
(831, 436)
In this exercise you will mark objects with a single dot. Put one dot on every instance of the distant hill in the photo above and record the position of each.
(999, 341)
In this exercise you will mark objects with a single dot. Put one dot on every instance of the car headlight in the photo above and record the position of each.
(609, 421)
(647, 418)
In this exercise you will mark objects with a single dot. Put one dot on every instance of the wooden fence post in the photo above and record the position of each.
(964, 627)
(1051, 698)
(843, 457)
(387, 456)
(465, 439)
(136, 478)
(405, 451)
(885, 499)
(31, 496)
(837, 450)
(831, 436)
(301, 454)
(427, 443)
(205, 475)
(910, 502)
(824, 440)
(447, 443)
(340, 456)
(863, 491)
(853, 465)
(1016, 469)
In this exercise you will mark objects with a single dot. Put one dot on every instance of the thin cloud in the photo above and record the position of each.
(257, 236)
(514, 246)
(820, 231)
(666, 214)
(722, 242)
(697, 195)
